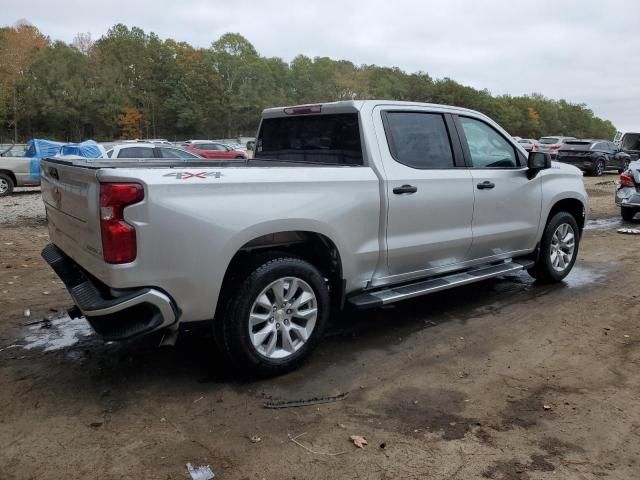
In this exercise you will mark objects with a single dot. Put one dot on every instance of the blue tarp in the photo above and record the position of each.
(38, 149)
(86, 149)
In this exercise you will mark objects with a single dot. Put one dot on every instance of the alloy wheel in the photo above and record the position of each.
(563, 246)
(283, 317)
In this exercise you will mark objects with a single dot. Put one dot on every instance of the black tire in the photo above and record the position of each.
(6, 185)
(628, 213)
(600, 167)
(625, 167)
(543, 270)
(232, 329)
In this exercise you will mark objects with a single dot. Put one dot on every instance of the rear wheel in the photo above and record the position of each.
(6, 185)
(598, 171)
(628, 213)
(558, 249)
(275, 316)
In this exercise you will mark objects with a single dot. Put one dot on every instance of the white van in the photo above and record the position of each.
(629, 142)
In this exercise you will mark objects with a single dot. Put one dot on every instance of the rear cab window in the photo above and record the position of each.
(324, 139)
(136, 152)
(549, 140)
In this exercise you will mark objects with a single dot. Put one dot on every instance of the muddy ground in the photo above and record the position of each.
(503, 380)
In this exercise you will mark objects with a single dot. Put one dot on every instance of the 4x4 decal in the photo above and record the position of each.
(186, 175)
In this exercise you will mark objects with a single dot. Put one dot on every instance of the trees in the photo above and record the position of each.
(18, 48)
(132, 84)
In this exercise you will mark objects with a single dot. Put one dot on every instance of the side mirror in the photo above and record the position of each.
(538, 161)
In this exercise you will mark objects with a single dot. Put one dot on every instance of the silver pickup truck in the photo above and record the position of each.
(351, 204)
(15, 172)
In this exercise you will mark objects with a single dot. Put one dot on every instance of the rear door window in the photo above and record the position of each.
(419, 140)
(326, 139)
(136, 152)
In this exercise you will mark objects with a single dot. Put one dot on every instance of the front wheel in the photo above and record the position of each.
(599, 169)
(275, 316)
(625, 167)
(558, 249)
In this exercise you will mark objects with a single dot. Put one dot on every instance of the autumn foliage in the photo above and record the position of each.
(130, 121)
(133, 84)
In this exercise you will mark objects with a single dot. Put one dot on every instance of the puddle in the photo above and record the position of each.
(603, 223)
(583, 277)
(57, 333)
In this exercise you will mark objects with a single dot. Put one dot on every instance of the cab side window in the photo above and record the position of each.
(487, 147)
(419, 140)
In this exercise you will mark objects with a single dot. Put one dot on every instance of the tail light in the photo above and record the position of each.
(626, 179)
(554, 147)
(118, 237)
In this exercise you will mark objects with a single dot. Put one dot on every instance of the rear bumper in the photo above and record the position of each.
(113, 314)
(628, 197)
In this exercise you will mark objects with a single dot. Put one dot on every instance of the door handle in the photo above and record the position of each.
(405, 189)
(486, 185)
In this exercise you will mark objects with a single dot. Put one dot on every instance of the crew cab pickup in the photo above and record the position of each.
(351, 204)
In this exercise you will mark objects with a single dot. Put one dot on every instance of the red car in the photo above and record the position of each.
(208, 149)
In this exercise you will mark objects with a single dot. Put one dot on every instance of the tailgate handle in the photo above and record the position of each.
(54, 173)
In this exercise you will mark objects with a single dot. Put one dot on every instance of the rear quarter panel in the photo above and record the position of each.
(189, 228)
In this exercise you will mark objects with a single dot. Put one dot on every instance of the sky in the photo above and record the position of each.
(583, 51)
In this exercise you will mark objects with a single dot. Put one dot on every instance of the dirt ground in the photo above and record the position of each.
(504, 379)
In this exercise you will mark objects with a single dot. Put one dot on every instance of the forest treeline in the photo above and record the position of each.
(132, 84)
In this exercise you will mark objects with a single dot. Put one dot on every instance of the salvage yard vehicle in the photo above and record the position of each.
(594, 156)
(628, 191)
(352, 204)
(16, 172)
(629, 142)
(528, 144)
(209, 149)
(552, 144)
(149, 150)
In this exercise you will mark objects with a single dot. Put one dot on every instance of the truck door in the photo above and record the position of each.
(429, 192)
(507, 206)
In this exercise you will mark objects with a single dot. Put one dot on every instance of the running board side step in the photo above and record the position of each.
(377, 298)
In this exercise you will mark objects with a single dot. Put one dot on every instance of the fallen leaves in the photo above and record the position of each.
(358, 441)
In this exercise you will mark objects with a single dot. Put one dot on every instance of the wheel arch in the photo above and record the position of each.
(11, 175)
(315, 247)
(574, 206)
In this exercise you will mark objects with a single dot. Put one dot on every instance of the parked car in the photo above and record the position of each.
(629, 142)
(529, 144)
(148, 150)
(208, 149)
(594, 156)
(357, 203)
(552, 144)
(627, 194)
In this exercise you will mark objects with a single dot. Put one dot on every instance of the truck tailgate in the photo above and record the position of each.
(71, 195)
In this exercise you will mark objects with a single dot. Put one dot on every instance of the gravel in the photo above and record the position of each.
(24, 207)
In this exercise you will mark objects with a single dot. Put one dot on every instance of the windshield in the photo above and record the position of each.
(549, 140)
(331, 138)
